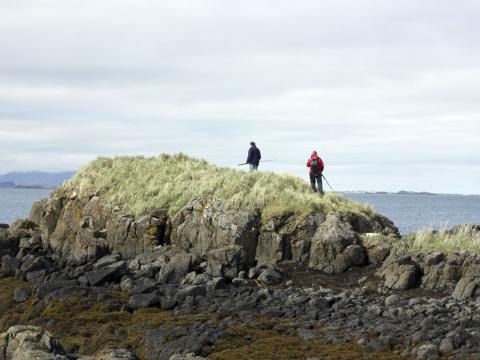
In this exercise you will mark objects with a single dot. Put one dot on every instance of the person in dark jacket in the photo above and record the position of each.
(254, 156)
(316, 166)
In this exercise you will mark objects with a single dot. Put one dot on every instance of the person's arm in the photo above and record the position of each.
(249, 157)
(309, 162)
(322, 165)
(259, 155)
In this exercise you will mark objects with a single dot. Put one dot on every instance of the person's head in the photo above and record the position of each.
(252, 143)
(314, 152)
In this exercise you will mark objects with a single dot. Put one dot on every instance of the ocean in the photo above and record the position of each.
(410, 212)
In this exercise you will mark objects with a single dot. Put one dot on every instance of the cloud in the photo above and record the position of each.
(382, 89)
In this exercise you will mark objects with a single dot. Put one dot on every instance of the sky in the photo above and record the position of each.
(386, 91)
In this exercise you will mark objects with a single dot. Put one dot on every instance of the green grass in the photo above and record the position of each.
(463, 238)
(139, 184)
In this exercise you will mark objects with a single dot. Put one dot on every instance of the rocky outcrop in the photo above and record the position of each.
(456, 273)
(336, 247)
(85, 229)
(33, 343)
(207, 224)
(29, 343)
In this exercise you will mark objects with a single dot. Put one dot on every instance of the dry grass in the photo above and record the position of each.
(139, 184)
(462, 238)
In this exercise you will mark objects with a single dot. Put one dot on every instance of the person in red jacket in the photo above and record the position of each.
(316, 168)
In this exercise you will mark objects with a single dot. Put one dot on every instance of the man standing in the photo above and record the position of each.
(316, 168)
(254, 157)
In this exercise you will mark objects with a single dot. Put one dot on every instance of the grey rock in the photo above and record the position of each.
(10, 265)
(99, 277)
(427, 351)
(270, 276)
(329, 243)
(21, 294)
(226, 262)
(137, 301)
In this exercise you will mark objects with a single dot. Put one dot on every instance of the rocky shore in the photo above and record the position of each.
(83, 279)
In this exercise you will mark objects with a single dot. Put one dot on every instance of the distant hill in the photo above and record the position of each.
(34, 179)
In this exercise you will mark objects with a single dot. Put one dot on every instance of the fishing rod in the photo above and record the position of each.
(260, 161)
(330, 186)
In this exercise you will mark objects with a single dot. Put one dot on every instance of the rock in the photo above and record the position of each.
(193, 290)
(239, 282)
(207, 224)
(176, 269)
(329, 243)
(10, 265)
(469, 283)
(106, 261)
(99, 277)
(392, 300)
(226, 262)
(270, 276)
(137, 301)
(400, 274)
(142, 286)
(427, 351)
(29, 343)
(189, 356)
(118, 354)
(60, 289)
(377, 252)
(215, 284)
(4, 226)
(21, 294)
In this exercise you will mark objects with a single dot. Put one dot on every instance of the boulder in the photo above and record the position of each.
(99, 277)
(272, 275)
(400, 274)
(377, 252)
(29, 343)
(21, 294)
(117, 354)
(226, 262)
(176, 269)
(469, 284)
(137, 301)
(10, 265)
(335, 247)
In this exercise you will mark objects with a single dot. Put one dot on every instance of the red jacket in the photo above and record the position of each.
(320, 163)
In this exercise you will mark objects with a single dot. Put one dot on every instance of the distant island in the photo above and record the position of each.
(34, 179)
(401, 192)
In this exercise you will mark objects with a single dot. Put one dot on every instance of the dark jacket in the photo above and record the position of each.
(254, 155)
(320, 163)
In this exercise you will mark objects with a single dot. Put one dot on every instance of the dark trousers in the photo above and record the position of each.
(316, 180)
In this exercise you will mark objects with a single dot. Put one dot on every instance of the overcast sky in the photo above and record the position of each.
(388, 92)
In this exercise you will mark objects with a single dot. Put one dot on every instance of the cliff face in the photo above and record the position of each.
(85, 228)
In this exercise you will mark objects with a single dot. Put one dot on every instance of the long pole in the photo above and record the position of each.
(330, 186)
(260, 161)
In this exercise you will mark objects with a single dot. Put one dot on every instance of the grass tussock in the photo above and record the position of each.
(139, 184)
(461, 238)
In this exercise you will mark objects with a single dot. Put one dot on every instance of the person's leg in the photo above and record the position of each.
(251, 167)
(312, 182)
(255, 167)
(320, 184)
